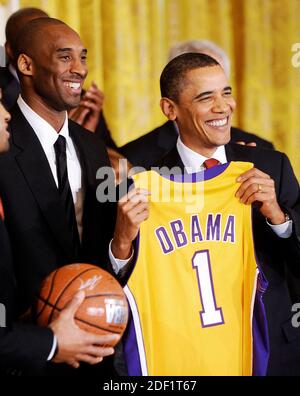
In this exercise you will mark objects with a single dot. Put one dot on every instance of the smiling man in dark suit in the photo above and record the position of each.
(48, 177)
(25, 347)
(196, 94)
(150, 147)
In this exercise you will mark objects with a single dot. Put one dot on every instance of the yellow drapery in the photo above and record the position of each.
(128, 42)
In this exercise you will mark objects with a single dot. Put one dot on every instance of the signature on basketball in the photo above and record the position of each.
(91, 283)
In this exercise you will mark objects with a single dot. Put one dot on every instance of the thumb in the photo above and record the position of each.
(72, 306)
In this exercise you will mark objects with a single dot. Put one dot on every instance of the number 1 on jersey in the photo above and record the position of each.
(210, 315)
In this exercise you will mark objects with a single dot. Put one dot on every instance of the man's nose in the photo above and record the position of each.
(221, 105)
(78, 67)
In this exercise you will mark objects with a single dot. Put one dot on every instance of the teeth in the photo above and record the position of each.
(217, 123)
(73, 85)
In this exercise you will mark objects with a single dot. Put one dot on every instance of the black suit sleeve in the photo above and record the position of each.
(290, 202)
(24, 347)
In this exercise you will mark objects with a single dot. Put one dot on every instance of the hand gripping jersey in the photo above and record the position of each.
(192, 289)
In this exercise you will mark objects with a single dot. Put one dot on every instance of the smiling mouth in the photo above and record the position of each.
(74, 86)
(219, 123)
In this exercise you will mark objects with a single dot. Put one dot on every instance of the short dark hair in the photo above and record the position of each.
(173, 76)
(30, 35)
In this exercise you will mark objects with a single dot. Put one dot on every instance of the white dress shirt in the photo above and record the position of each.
(193, 162)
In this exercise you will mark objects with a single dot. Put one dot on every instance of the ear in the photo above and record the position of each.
(168, 108)
(25, 64)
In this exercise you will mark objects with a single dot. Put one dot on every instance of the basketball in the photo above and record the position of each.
(104, 309)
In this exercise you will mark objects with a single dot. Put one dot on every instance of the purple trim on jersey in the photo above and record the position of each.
(212, 288)
(261, 348)
(199, 176)
(131, 351)
(130, 345)
(260, 334)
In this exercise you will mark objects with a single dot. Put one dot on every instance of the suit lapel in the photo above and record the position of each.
(170, 160)
(90, 158)
(35, 168)
(237, 152)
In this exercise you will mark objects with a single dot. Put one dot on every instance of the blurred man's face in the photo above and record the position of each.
(204, 110)
(59, 68)
(4, 135)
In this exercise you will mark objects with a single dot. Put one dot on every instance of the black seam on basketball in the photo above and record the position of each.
(65, 288)
(51, 305)
(104, 294)
(49, 294)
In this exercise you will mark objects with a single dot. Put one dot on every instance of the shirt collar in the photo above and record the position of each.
(193, 160)
(46, 134)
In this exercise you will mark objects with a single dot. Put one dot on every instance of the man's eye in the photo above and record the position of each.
(228, 93)
(205, 99)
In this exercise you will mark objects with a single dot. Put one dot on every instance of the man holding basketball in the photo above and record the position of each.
(24, 346)
(48, 190)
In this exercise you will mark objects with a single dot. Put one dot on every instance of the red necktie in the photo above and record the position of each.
(1, 211)
(209, 163)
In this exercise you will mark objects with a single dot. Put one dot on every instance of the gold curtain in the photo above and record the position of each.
(128, 42)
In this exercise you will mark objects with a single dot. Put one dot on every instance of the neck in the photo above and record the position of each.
(207, 152)
(55, 118)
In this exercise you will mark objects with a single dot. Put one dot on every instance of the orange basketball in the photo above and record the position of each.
(104, 309)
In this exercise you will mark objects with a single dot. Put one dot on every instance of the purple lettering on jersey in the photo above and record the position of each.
(229, 229)
(213, 227)
(164, 240)
(196, 232)
(178, 232)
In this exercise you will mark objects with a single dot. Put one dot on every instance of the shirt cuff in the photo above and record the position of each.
(118, 264)
(283, 230)
(53, 349)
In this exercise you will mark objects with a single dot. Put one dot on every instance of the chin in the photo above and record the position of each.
(4, 146)
(72, 105)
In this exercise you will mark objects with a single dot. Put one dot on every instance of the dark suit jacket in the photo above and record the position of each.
(10, 87)
(40, 238)
(21, 346)
(149, 148)
(274, 254)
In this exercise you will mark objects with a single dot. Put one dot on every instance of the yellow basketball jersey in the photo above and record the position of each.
(192, 288)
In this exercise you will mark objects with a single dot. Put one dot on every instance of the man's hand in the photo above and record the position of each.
(133, 208)
(88, 112)
(76, 345)
(257, 187)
